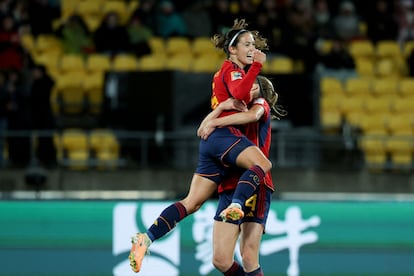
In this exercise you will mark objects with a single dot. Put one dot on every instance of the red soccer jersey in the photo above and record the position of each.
(260, 133)
(232, 81)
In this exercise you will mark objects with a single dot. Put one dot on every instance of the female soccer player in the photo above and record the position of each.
(251, 227)
(234, 149)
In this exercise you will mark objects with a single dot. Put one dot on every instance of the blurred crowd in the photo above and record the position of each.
(295, 28)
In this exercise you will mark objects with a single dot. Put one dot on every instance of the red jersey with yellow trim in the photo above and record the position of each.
(232, 81)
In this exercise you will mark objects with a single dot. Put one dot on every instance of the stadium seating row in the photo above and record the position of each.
(79, 150)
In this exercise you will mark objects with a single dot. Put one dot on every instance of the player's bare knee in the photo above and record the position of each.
(249, 261)
(221, 264)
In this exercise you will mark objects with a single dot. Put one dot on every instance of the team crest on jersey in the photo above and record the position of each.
(236, 75)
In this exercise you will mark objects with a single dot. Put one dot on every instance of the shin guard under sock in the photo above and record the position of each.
(167, 220)
(248, 183)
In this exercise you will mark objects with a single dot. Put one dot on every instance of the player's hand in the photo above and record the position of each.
(259, 56)
(205, 130)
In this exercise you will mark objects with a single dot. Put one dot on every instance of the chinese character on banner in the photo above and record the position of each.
(294, 235)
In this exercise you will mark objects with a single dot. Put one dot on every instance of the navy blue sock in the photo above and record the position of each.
(234, 270)
(257, 272)
(167, 220)
(248, 183)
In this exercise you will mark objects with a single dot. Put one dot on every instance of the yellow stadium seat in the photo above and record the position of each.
(358, 86)
(365, 67)
(181, 62)
(349, 105)
(47, 43)
(401, 150)
(119, 7)
(362, 48)
(403, 105)
(384, 87)
(125, 62)
(89, 9)
(331, 85)
(387, 68)
(98, 63)
(388, 49)
(408, 48)
(377, 105)
(105, 146)
(75, 144)
(406, 87)
(205, 64)
(178, 45)
(68, 7)
(373, 149)
(157, 45)
(354, 118)
(93, 87)
(69, 94)
(400, 124)
(281, 65)
(203, 46)
(152, 63)
(72, 63)
(330, 114)
(374, 124)
(92, 23)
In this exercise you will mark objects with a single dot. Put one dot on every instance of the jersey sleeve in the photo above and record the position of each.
(239, 86)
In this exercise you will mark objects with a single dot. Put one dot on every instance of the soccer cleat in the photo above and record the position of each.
(140, 243)
(232, 212)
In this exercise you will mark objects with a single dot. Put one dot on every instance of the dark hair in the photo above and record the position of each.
(224, 41)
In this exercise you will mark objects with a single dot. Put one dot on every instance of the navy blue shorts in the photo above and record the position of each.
(219, 152)
(256, 208)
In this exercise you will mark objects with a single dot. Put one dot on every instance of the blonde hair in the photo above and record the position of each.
(268, 92)
(231, 37)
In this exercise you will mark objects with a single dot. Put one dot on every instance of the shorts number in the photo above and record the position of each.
(251, 202)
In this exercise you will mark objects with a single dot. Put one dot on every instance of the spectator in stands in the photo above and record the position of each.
(322, 19)
(111, 37)
(297, 36)
(346, 22)
(268, 23)
(146, 12)
(41, 15)
(20, 12)
(406, 27)
(169, 22)
(338, 57)
(41, 114)
(197, 20)
(11, 52)
(220, 16)
(75, 36)
(381, 24)
(139, 36)
(17, 117)
(247, 10)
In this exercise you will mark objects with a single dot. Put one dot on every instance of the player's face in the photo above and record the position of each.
(244, 49)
